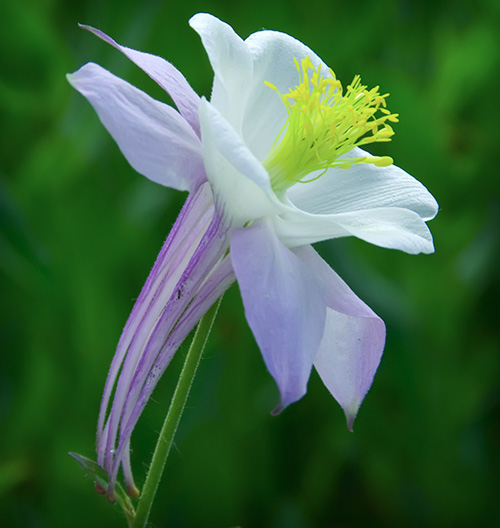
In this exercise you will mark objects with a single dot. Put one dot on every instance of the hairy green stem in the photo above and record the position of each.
(174, 413)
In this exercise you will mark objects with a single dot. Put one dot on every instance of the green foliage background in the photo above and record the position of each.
(79, 231)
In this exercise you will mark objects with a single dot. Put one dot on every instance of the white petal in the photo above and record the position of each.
(273, 55)
(156, 140)
(381, 205)
(386, 227)
(231, 63)
(363, 186)
(254, 110)
(240, 182)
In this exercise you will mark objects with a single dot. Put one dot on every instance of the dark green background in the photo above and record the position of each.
(79, 231)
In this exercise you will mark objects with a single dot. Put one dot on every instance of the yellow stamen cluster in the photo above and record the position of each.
(325, 124)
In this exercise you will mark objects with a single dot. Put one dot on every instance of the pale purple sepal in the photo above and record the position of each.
(284, 306)
(353, 340)
(164, 74)
(156, 140)
(190, 274)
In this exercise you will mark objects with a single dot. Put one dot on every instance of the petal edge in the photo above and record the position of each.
(284, 306)
(154, 138)
(352, 343)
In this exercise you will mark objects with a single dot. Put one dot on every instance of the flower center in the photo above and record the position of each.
(324, 124)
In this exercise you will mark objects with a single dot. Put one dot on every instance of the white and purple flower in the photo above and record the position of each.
(273, 164)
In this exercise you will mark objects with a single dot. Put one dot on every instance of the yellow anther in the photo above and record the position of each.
(382, 161)
(324, 124)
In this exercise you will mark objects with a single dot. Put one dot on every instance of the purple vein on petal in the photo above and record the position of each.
(197, 280)
(169, 306)
(132, 489)
(200, 203)
(164, 289)
(192, 275)
(215, 285)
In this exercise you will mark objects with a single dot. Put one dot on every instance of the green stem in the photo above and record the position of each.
(174, 413)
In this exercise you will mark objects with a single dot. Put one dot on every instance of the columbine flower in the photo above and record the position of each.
(273, 164)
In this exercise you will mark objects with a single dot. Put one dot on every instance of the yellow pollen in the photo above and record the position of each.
(325, 124)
